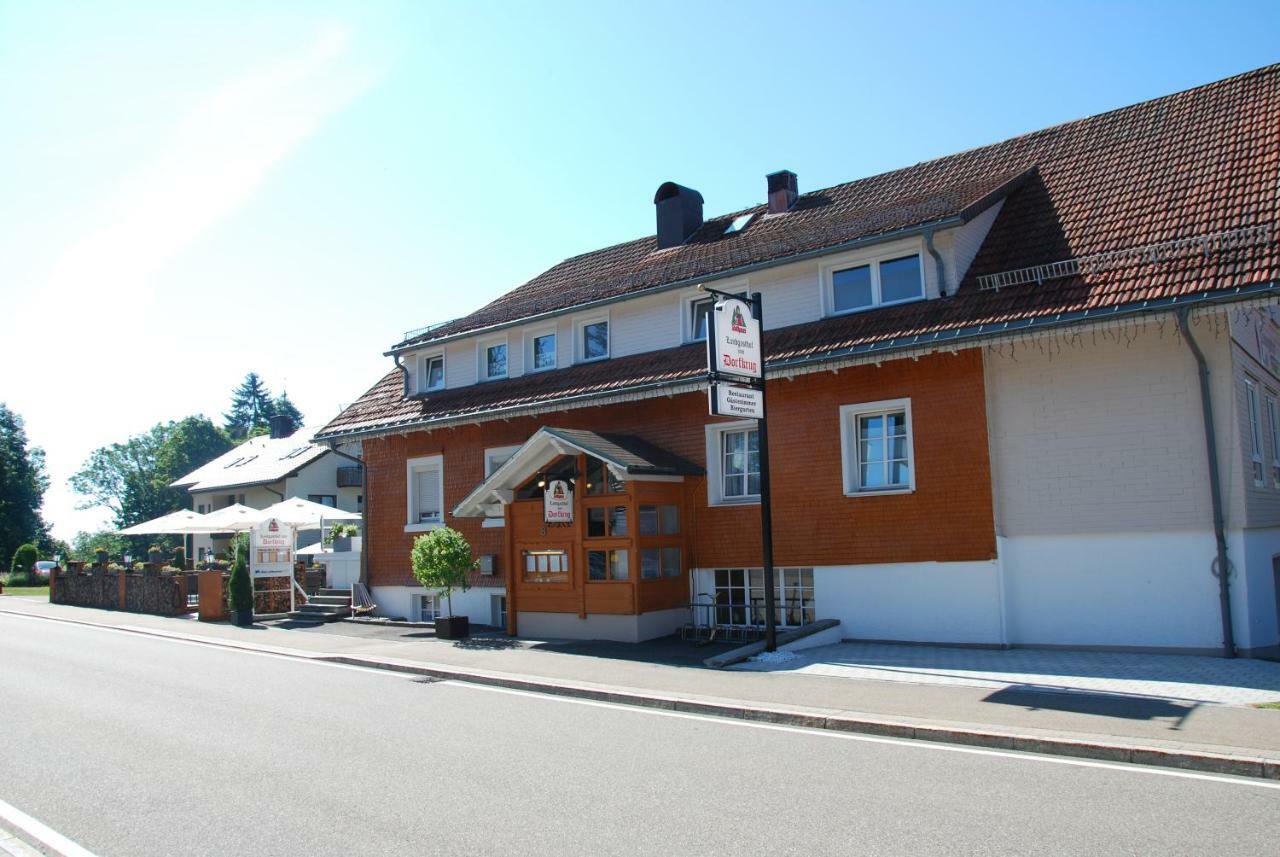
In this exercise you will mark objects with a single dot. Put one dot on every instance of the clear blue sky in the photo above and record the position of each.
(193, 191)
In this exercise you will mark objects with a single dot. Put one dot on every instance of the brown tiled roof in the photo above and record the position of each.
(1198, 162)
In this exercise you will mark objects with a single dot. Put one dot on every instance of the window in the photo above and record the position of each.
(601, 480)
(495, 361)
(739, 594)
(431, 373)
(876, 446)
(546, 566)
(594, 336)
(608, 565)
(496, 457)
(324, 500)
(201, 509)
(544, 352)
(427, 607)
(425, 493)
(699, 310)
(733, 463)
(875, 283)
(606, 521)
(1255, 431)
(659, 520)
(659, 562)
(1273, 414)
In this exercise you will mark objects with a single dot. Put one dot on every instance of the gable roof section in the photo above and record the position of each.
(1199, 162)
(626, 455)
(258, 461)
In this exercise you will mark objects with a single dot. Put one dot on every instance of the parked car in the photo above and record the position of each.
(43, 568)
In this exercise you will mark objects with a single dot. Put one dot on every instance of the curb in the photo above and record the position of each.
(36, 834)
(1203, 762)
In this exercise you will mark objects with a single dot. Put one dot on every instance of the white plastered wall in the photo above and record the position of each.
(398, 602)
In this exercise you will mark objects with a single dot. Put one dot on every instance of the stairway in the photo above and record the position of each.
(329, 606)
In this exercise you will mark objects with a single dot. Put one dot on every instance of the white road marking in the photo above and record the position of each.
(46, 836)
(914, 743)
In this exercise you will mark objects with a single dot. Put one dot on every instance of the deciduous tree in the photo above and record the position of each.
(22, 485)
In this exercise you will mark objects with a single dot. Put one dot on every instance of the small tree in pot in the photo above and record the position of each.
(240, 587)
(441, 561)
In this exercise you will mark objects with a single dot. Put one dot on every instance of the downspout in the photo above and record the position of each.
(404, 370)
(364, 509)
(1223, 572)
(941, 270)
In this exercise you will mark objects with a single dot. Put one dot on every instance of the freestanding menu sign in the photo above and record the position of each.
(271, 553)
(735, 373)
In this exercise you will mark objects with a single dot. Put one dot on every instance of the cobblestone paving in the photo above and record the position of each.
(1184, 678)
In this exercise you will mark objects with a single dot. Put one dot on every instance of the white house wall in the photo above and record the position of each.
(398, 601)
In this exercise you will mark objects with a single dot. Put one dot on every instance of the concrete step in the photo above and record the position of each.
(330, 600)
(337, 593)
(311, 613)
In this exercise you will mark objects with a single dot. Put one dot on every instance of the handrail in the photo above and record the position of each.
(301, 591)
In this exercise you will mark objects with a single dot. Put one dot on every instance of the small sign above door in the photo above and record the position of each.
(557, 503)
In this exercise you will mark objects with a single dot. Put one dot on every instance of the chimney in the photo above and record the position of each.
(679, 213)
(782, 191)
(282, 426)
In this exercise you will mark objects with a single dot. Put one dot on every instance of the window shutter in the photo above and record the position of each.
(429, 495)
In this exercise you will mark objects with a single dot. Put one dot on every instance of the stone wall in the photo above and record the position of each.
(148, 591)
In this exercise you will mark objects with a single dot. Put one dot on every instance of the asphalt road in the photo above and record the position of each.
(133, 745)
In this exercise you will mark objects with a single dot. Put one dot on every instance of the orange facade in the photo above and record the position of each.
(947, 518)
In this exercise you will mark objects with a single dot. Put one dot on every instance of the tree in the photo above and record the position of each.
(442, 561)
(283, 406)
(84, 544)
(251, 408)
(20, 569)
(133, 479)
(22, 485)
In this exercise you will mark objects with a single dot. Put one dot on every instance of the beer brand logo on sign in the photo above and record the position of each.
(557, 503)
(734, 346)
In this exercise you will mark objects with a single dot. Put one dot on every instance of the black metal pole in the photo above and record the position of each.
(766, 505)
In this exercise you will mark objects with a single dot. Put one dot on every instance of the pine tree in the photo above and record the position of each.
(251, 408)
(284, 406)
(22, 485)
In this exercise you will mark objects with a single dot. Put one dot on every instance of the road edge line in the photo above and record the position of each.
(1205, 762)
(39, 835)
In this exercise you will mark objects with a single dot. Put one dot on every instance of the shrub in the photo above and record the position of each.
(20, 569)
(240, 587)
(441, 561)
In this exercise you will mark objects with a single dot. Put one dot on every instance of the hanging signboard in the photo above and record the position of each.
(733, 340)
(557, 503)
(733, 400)
(271, 549)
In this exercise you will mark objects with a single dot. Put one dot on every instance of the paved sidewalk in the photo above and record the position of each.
(1174, 678)
(986, 715)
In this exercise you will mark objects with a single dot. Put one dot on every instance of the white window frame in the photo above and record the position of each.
(530, 361)
(482, 355)
(1254, 412)
(715, 464)
(508, 450)
(1273, 423)
(422, 367)
(827, 272)
(741, 288)
(849, 415)
(412, 467)
(580, 340)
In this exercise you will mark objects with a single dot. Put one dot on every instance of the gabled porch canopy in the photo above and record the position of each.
(627, 457)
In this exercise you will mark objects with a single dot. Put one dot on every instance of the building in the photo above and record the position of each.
(264, 470)
(986, 408)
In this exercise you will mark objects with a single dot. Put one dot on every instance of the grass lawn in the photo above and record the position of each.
(1275, 705)
(26, 590)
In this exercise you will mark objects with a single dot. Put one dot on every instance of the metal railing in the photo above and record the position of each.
(1148, 254)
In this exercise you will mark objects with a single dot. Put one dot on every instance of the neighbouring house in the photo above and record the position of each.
(269, 468)
(1009, 390)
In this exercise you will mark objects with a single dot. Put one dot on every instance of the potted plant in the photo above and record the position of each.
(442, 560)
(340, 537)
(240, 587)
(100, 554)
(155, 555)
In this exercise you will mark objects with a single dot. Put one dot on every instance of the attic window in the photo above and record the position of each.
(739, 223)
(233, 463)
(294, 453)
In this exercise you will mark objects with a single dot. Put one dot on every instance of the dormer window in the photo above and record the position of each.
(544, 351)
(594, 339)
(495, 361)
(699, 309)
(876, 282)
(430, 373)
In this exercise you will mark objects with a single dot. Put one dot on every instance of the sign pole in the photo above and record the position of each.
(766, 501)
(735, 368)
